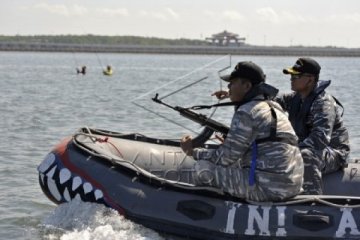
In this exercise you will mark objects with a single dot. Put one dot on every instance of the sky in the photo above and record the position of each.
(261, 22)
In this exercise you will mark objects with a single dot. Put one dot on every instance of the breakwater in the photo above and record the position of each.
(201, 50)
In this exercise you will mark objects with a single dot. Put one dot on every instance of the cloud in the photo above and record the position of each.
(143, 13)
(209, 13)
(289, 17)
(351, 17)
(268, 14)
(158, 15)
(224, 15)
(57, 9)
(61, 9)
(354, 17)
(113, 12)
(285, 17)
(79, 10)
(232, 15)
(172, 13)
(164, 15)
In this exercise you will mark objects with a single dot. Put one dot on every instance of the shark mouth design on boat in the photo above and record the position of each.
(64, 185)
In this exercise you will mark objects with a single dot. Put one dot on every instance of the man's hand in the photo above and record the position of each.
(221, 94)
(186, 145)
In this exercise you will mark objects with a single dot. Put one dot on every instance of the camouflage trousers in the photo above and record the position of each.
(235, 181)
(317, 163)
(232, 180)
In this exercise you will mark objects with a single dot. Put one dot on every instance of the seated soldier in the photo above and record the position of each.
(259, 159)
(316, 118)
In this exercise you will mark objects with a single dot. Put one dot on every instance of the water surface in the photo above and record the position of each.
(43, 100)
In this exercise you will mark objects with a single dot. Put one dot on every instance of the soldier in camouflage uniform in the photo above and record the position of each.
(259, 159)
(316, 118)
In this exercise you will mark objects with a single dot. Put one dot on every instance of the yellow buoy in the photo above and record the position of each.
(108, 71)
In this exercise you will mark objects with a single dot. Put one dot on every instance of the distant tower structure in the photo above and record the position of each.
(225, 38)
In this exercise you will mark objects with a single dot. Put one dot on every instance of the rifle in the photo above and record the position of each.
(202, 119)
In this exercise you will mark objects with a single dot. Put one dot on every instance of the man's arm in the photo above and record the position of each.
(235, 145)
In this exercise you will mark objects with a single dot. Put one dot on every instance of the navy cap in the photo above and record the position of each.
(247, 70)
(304, 65)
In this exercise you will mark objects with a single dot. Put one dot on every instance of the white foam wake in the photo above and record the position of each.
(89, 221)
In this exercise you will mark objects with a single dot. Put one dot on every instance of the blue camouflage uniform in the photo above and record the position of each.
(323, 138)
(278, 168)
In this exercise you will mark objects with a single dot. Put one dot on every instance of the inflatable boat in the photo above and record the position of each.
(149, 181)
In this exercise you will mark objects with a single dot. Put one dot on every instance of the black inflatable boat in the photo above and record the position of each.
(149, 181)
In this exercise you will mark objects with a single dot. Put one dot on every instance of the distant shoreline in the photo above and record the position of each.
(194, 50)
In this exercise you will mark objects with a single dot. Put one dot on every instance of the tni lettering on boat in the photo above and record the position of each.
(273, 220)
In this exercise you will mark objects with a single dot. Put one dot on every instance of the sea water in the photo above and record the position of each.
(43, 100)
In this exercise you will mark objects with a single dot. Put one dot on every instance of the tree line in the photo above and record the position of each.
(98, 39)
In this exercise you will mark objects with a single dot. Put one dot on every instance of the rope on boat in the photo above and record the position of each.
(139, 170)
(95, 139)
(105, 140)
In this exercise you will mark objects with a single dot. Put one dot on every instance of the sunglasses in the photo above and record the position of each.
(297, 76)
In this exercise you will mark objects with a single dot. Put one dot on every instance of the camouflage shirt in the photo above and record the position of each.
(323, 121)
(279, 166)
